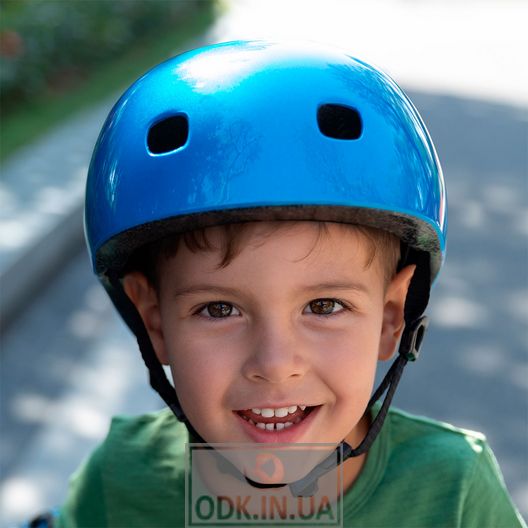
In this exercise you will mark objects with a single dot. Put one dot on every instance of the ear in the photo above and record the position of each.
(393, 312)
(145, 299)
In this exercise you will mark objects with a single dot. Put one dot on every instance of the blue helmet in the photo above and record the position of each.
(257, 130)
(246, 131)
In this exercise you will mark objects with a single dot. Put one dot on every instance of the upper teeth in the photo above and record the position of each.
(281, 412)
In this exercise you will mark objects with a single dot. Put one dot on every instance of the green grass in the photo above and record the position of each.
(26, 124)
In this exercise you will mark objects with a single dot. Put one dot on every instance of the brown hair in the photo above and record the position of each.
(147, 260)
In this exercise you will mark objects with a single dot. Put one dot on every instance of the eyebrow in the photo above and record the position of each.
(205, 288)
(350, 286)
(224, 290)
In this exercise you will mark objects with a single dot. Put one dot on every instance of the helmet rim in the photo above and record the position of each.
(418, 233)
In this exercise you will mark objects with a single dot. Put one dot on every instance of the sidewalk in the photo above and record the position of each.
(41, 195)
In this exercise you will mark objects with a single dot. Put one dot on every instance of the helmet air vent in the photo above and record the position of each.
(168, 134)
(339, 121)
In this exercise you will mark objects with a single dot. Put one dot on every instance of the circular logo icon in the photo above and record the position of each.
(269, 469)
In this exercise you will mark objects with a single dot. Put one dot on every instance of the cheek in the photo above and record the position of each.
(202, 367)
(349, 359)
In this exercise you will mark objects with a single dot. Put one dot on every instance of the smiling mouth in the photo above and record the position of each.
(268, 419)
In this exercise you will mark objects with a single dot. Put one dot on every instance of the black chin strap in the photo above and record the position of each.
(157, 376)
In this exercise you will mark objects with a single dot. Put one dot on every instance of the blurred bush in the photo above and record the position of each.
(52, 45)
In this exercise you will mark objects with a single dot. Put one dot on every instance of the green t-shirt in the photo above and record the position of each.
(418, 473)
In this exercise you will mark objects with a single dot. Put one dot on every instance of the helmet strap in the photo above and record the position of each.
(158, 379)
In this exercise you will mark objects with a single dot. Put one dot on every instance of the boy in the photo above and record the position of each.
(268, 219)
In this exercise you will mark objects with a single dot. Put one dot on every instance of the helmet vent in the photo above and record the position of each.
(339, 121)
(168, 134)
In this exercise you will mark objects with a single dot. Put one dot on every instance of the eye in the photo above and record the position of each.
(218, 310)
(324, 307)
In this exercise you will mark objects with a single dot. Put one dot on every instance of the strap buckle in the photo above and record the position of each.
(412, 338)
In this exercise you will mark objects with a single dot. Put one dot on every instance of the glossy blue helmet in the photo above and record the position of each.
(246, 131)
(257, 130)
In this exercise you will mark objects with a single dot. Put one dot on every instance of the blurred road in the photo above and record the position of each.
(68, 363)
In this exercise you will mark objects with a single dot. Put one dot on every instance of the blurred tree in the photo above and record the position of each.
(53, 45)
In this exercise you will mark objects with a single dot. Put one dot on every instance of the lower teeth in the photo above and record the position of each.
(275, 426)
(278, 426)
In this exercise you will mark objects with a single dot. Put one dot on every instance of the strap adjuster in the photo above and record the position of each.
(412, 338)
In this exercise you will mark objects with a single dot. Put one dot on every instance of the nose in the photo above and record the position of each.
(277, 353)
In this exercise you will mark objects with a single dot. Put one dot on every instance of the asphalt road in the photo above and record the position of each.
(68, 362)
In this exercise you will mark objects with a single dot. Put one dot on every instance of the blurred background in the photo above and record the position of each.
(67, 361)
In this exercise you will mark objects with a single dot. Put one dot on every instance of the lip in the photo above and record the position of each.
(290, 435)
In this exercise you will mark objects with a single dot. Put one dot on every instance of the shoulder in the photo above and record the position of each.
(410, 432)
(138, 433)
(451, 467)
(152, 421)
(439, 455)
(143, 444)
(141, 457)
(439, 458)
(140, 446)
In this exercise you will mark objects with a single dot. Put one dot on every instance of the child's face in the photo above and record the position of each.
(300, 321)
